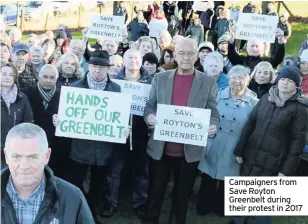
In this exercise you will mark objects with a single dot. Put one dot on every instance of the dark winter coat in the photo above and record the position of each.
(206, 19)
(260, 90)
(43, 117)
(27, 78)
(273, 139)
(251, 62)
(20, 111)
(63, 202)
(222, 27)
(137, 30)
(65, 82)
(195, 32)
(97, 152)
(286, 28)
(140, 132)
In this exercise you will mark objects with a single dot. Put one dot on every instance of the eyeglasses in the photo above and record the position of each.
(189, 54)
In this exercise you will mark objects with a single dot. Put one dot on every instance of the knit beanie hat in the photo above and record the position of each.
(151, 58)
(224, 38)
(61, 34)
(291, 72)
(206, 45)
(304, 55)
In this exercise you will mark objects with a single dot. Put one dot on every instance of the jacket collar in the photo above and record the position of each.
(84, 81)
(247, 96)
(144, 75)
(51, 190)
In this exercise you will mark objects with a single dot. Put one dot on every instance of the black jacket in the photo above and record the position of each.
(137, 29)
(20, 111)
(273, 139)
(97, 152)
(27, 78)
(65, 82)
(63, 202)
(260, 90)
(251, 62)
(60, 146)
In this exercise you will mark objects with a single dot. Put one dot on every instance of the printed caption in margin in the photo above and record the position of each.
(266, 196)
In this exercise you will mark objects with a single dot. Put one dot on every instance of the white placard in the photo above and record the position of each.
(254, 26)
(266, 196)
(199, 6)
(186, 125)
(106, 27)
(93, 114)
(140, 94)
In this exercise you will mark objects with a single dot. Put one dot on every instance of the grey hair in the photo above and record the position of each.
(78, 71)
(48, 66)
(216, 57)
(76, 42)
(132, 50)
(37, 49)
(186, 41)
(27, 131)
(239, 70)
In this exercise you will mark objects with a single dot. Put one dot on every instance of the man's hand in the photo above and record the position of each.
(152, 120)
(212, 131)
(127, 132)
(281, 175)
(239, 159)
(280, 36)
(232, 34)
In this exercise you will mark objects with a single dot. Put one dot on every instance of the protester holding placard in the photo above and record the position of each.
(133, 72)
(274, 136)
(234, 104)
(255, 51)
(184, 86)
(88, 152)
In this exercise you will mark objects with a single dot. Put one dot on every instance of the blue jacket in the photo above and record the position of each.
(219, 160)
(137, 30)
(222, 81)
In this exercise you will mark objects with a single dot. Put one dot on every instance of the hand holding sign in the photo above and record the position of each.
(239, 159)
(232, 34)
(212, 131)
(152, 120)
(280, 36)
(55, 120)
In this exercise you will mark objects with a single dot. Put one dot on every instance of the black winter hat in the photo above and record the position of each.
(61, 34)
(151, 58)
(291, 72)
(99, 57)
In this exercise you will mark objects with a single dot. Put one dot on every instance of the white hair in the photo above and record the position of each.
(78, 43)
(239, 70)
(186, 41)
(116, 59)
(78, 71)
(37, 49)
(27, 131)
(53, 67)
(216, 57)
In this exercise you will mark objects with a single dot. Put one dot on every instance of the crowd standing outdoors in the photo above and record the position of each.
(258, 123)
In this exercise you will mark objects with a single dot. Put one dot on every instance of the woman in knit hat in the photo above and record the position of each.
(274, 136)
(304, 70)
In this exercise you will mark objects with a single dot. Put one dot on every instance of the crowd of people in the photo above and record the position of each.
(258, 123)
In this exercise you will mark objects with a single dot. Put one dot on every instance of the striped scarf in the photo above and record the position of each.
(46, 95)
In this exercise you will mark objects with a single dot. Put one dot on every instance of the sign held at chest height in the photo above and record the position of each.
(93, 114)
(140, 94)
(184, 125)
(253, 26)
(106, 27)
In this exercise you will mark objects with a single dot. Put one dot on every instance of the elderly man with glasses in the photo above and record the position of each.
(184, 86)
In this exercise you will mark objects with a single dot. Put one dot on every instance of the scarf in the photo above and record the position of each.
(96, 85)
(10, 97)
(46, 95)
(274, 97)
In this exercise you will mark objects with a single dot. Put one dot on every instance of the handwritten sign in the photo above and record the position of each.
(106, 27)
(253, 26)
(93, 114)
(140, 94)
(184, 125)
